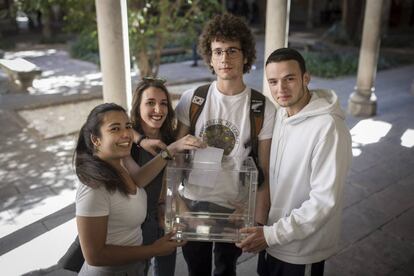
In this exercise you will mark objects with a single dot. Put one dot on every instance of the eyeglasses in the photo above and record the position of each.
(231, 52)
(154, 80)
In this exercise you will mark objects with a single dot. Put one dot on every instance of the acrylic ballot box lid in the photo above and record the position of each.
(210, 201)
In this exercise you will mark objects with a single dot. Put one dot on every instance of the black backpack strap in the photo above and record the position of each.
(197, 104)
(257, 109)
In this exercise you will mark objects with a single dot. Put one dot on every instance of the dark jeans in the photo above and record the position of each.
(270, 266)
(198, 256)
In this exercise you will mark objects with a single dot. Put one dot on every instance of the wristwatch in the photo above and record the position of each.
(166, 155)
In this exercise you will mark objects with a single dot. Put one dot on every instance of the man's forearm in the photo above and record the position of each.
(262, 204)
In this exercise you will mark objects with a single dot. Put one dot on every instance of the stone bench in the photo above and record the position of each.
(21, 72)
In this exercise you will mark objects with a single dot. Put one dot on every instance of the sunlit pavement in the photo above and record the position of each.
(43, 251)
(37, 184)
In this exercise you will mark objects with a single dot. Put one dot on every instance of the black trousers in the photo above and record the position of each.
(198, 256)
(270, 266)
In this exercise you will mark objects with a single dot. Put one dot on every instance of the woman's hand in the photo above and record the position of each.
(165, 245)
(188, 142)
(153, 146)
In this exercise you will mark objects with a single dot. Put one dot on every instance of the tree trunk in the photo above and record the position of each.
(46, 24)
(144, 67)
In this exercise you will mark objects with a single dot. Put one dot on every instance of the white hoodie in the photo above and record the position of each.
(310, 157)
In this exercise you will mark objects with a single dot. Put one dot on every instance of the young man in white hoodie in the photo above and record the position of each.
(310, 157)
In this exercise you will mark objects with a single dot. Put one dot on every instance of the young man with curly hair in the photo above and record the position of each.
(227, 46)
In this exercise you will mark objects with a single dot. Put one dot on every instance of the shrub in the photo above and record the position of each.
(86, 47)
(330, 64)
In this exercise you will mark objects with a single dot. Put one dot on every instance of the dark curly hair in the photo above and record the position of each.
(227, 27)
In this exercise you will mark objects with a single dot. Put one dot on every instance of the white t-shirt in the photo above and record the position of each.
(125, 213)
(224, 122)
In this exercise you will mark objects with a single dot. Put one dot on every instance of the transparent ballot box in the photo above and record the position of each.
(210, 201)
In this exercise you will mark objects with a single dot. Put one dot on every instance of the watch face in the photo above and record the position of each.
(165, 155)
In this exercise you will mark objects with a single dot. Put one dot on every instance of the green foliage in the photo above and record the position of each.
(45, 7)
(155, 24)
(86, 47)
(177, 58)
(80, 16)
(330, 64)
(36, 5)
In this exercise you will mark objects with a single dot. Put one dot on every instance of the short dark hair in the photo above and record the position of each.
(283, 54)
(227, 27)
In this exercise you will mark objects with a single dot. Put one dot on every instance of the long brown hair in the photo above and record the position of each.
(167, 128)
(90, 169)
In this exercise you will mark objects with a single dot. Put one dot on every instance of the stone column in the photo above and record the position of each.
(363, 101)
(112, 21)
(277, 29)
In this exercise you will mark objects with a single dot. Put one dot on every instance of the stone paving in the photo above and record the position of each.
(37, 182)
